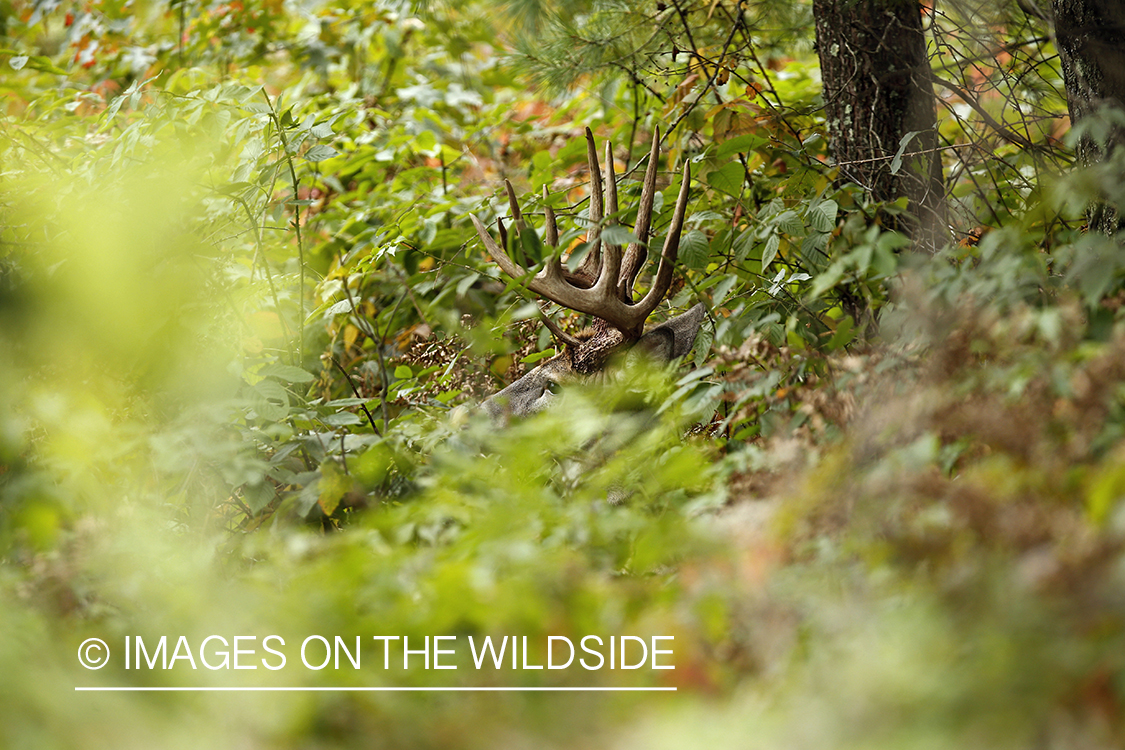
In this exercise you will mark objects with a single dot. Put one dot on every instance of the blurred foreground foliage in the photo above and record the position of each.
(243, 319)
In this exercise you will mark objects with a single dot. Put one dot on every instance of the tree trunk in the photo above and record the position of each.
(877, 89)
(1090, 35)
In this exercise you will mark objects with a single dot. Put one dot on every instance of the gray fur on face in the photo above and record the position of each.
(532, 393)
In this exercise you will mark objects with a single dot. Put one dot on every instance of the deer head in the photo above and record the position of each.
(602, 287)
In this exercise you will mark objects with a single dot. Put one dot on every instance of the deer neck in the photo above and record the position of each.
(600, 341)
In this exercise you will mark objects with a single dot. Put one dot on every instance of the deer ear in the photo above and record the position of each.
(674, 337)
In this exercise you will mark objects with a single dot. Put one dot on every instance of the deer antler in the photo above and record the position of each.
(603, 285)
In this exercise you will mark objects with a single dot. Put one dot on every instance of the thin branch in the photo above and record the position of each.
(355, 391)
(1001, 131)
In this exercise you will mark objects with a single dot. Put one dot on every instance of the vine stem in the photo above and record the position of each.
(260, 257)
(296, 227)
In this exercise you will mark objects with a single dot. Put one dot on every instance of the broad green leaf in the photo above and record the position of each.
(722, 289)
(269, 400)
(341, 419)
(258, 496)
(286, 373)
(729, 179)
(694, 249)
(332, 487)
(464, 284)
(616, 234)
(789, 223)
(524, 246)
(890, 241)
(343, 306)
(700, 218)
(739, 145)
(822, 216)
(320, 152)
(744, 243)
(825, 281)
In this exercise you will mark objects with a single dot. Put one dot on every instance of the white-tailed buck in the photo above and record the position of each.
(601, 287)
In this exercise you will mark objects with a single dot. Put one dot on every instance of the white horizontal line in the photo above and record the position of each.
(376, 689)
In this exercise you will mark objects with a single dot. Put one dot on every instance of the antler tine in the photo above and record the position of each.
(551, 227)
(637, 252)
(671, 249)
(517, 219)
(500, 228)
(513, 203)
(559, 334)
(592, 264)
(611, 267)
(611, 181)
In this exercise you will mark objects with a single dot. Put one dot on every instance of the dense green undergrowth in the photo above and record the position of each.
(245, 320)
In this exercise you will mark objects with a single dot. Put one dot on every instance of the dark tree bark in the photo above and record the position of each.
(1090, 36)
(877, 88)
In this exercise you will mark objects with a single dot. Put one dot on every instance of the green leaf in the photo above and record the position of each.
(700, 218)
(270, 400)
(822, 216)
(890, 241)
(790, 223)
(338, 308)
(743, 244)
(286, 373)
(845, 333)
(332, 487)
(722, 289)
(896, 163)
(577, 255)
(526, 241)
(694, 249)
(729, 179)
(739, 145)
(424, 142)
(464, 284)
(258, 496)
(42, 63)
(536, 356)
(772, 245)
(825, 281)
(618, 235)
(374, 464)
(341, 419)
(403, 372)
(319, 152)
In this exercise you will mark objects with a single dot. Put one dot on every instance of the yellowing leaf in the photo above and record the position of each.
(501, 364)
(332, 487)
